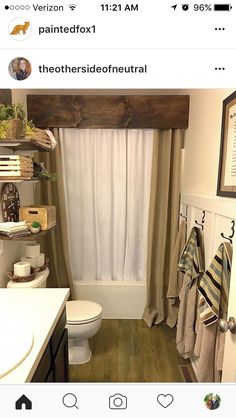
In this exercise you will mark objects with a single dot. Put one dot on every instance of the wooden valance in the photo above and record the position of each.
(121, 111)
(5, 96)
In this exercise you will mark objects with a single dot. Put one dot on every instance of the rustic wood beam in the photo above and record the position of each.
(121, 111)
(5, 96)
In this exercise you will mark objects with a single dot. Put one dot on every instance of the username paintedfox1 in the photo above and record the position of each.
(78, 29)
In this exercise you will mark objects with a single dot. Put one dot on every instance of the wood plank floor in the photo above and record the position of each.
(128, 351)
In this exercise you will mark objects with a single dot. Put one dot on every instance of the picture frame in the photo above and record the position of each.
(226, 185)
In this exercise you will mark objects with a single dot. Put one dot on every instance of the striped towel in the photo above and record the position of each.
(192, 261)
(214, 286)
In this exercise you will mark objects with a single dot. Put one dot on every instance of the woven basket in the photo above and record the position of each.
(39, 269)
(30, 277)
(14, 129)
(21, 279)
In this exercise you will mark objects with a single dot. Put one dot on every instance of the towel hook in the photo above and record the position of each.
(203, 220)
(186, 214)
(232, 234)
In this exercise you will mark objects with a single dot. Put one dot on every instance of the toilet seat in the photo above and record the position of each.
(82, 312)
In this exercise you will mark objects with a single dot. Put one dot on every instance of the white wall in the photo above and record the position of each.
(200, 173)
(202, 141)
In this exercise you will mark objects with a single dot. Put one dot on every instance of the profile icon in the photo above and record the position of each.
(19, 29)
(212, 401)
(19, 68)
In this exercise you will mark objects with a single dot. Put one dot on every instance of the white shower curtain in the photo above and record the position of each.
(107, 185)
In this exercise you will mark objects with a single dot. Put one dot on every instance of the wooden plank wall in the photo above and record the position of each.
(72, 111)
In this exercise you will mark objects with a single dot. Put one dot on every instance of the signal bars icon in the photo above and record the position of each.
(72, 7)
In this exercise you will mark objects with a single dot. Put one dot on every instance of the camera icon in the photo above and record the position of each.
(118, 401)
(185, 7)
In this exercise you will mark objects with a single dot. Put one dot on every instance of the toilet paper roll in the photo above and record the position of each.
(32, 250)
(22, 268)
(33, 261)
(41, 260)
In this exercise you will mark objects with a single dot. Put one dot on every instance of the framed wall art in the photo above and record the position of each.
(227, 162)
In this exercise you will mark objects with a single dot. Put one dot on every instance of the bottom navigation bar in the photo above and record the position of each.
(102, 400)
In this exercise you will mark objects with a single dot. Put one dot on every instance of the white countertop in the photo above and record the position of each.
(40, 310)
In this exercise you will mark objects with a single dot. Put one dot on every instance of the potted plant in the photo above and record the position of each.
(41, 172)
(4, 123)
(29, 129)
(3, 129)
(35, 227)
(12, 118)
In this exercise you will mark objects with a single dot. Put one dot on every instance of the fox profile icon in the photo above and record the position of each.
(18, 29)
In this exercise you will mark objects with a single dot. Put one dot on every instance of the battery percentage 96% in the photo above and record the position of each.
(202, 7)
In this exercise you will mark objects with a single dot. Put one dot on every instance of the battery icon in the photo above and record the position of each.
(222, 7)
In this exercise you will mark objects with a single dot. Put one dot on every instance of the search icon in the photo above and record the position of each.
(70, 400)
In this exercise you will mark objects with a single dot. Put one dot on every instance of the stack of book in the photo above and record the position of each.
(14, 229)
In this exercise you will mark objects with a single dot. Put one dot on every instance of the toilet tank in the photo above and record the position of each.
(40, 281)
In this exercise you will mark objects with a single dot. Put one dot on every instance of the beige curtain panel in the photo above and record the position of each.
(163, 221)
(176, 277)
(56, 244)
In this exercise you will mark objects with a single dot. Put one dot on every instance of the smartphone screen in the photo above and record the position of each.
(117, 208)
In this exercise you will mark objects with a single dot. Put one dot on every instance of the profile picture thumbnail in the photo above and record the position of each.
(19, 29)
(19, 68)
(212, 401)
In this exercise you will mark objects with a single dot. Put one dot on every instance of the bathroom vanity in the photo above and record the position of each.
(42, 311)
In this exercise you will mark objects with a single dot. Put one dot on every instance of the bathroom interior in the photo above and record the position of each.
(121, 208)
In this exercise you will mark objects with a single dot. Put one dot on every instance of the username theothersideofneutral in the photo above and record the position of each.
(93, 69)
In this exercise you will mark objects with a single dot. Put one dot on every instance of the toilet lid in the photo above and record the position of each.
(82, 311)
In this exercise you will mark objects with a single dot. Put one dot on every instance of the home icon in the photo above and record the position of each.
(23, 403)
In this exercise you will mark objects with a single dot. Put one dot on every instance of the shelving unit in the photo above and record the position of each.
(19, 180)
(24, 144)
(30, 237)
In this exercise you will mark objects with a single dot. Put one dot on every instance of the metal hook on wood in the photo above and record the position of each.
(183, 216)
(231, 235)
(203, 220)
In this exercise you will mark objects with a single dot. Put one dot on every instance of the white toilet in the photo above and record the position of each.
(84, 319)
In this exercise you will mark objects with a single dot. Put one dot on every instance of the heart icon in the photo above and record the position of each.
(165, 400)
